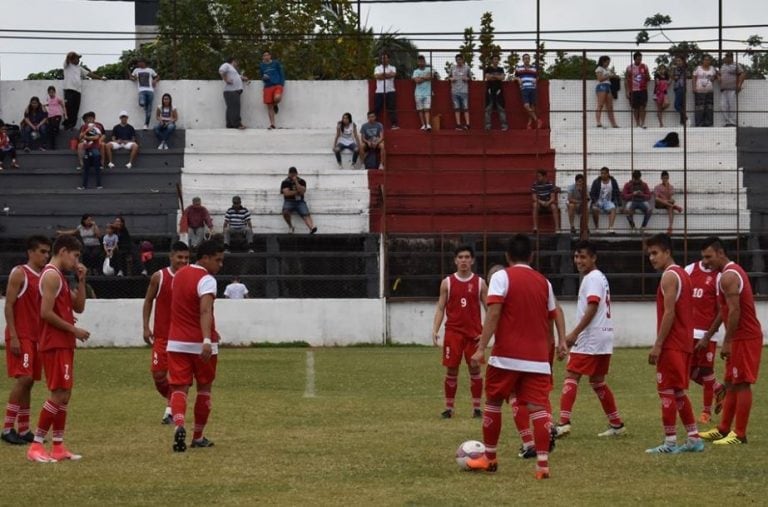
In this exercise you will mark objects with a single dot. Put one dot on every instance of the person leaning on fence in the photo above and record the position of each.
(494, 95)
(637, 196)
(704, 78)
(422, 76)
(273, 76)
(603, 91)
(732, 78)
(346, 139)
(527, 75)
(663, 194)
(606, 198)
(460, 77)
(384, 73)
(544, 194)
(196, 222)
(576, 191)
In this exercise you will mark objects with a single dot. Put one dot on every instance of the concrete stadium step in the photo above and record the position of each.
(641, 141)
(249, 163)
(326, 223)
(61, 159)
(119, 177)
(252, 141)
(270, 180)
(672, 161)
(70, 201)
(698, 180)
(22, 225)
(709, 222)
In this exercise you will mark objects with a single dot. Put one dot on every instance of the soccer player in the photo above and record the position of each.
(706, 323)
(521, 307)
(22, 330)
(461, 295)
(591, 343)
(193, 343)
(159, 292)
(671, 353)
(742, 345)
(57, 345)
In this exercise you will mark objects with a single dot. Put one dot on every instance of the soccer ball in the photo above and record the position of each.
(470, 449)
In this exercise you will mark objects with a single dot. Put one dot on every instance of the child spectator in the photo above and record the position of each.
(664, 195)
(110, 242)
(661, 85)
(123, 138)
(89, 123)
(146, 79)
(6, 147)
(346, 139)
(56, 112)
(460, 77)
(167, 116)
(33, 127)
(92, 141)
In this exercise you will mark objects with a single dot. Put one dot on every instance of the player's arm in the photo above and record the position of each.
(439, 311)
(559, 320)
(729, 284)
(146, 311)
(484, 294)
(15, 282)
(78, 295)
(206, 324)
(50, 285)
(669, 287)
(489, 328)
(716, 322)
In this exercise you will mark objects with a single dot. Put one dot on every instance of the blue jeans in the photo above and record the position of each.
(92, 160)
(643, 206)
(163, 132)
(679, 103)
(145, 101)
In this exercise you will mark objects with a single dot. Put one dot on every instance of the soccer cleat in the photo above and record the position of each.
(179, 445)
(167, 419)
(447, 413)
(662, 449)
(61, 453)
(482, 464)
(28, 437)
(203, 442)
(12, 438)
(526, 452)
(711, 435)
(730, 439)
(562, 430)
(542, 473)
(477, 414)
(37, 452)
(705, 418)
(690, 445)
(613, 431)
(719, 398)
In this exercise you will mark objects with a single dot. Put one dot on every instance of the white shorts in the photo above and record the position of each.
(125, 146)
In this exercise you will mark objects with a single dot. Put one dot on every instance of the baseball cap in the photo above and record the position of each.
(123, 113)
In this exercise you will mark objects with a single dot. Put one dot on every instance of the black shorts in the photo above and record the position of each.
(639, 99)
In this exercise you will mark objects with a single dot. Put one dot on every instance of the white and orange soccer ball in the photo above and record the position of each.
(470, 449)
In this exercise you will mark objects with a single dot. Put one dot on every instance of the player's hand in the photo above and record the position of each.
(702, 344)
(562, 351)
(149, 337)
(478, 357)
(435, 339)
(653, 355)
(15, 345)
(725, 352)
(82, 334)
(81, 272)
(570, 339)
(205, 355)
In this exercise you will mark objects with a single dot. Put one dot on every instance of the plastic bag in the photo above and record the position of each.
(107, 268)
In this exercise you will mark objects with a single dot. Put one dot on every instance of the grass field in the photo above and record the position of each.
(371, 436)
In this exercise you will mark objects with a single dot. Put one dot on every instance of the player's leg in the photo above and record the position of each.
(741, 370)
(685, 409)
(605, 395)
(475, 376)
(160, 378)
(534, 389)
(452, 353)
(18, 398)
(205, 373)
(450, 386)
(665, 385)
(567, 399)
(180, 374)
(522, 419)
(498, 387)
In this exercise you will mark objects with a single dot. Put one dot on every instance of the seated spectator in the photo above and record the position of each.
(34, 128)
(196, 222)
(293, 189)
(637, 196)
(576, 193)
(6, 147)
(606, 198)
(56, 113)
(544, 194)
(236, 290)
(110, 244)
(664, 196)
(90, 236)
(89, 118)
(346, 139)
(167, 116)
(372, 134)
(238, 220)
(93, 145)
(123, 138)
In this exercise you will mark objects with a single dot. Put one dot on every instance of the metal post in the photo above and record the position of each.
(720, 32)
(175, 28)
(358, 17)
(538, 25)
(584, 223)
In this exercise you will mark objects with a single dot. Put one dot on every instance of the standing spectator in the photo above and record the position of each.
(664, 197)
(74, 74)
(460, 77)
(603, 91)
(637, 77)
(732, 78)
(660, 87)
(90, 237)
(422, 76)
(127, 253)
(89, 128)
(146, 78)
(293, 189)
(704, 92)
(34, 127)
(384, 73)
(123, 138)
(236, 290)
(196, 222)
(237, 219)
(92, 143)
(679, 76)
(576, 193)
(6, 147)
(637, 196)
(606, 198)
(274, 80)
(110, 244)
(372, 133)
(56, 112)
(544, 194)
(167, 116)
(527, 75)
(233, 88)
(494, 95)
(346, 139)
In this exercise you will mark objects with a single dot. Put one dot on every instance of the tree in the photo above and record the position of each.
(571, 67)
(658, 21)
(402, 53)
(758, 57)
(488, 49)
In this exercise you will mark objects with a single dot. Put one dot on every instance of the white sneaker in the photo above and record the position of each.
(111, 165)
(160, 146)
(423, 127)
(429, 127)
(165, 145)
(128, 165)
(562, 430)
(613, 432)
(146, 127)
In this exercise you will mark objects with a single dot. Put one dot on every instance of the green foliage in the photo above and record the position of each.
(657, 20)
(511, 62)
(641, 37)
(758, 56)
(488, 49)
(402, 53)
(571, 67)
(468, 47)
(51, 74)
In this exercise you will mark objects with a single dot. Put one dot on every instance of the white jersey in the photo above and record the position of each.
(597, 337)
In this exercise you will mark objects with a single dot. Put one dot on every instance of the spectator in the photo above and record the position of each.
(544, 194)
(123, 138)
(576, 193)
(233, 89)
(146, 78)
(494, 95)
(236, 290)
(90, 125)
(6, 147)
(679, 76)
(704, 92)
(372, 133)
(238, 220)
(89, 235)
(56, 112)
(274, 80)
(527, 75)
(196, 222)
(637, 77)
(664, 196)
(660, 87)
(74, 74)
(606, 198)
(346, 139)
(603, 91)
(422, 76)
(34, 127)
(92, 142)
(293, 189)
(384, 74)
(110, 243)
(127, 253)
(460, 77)
(637, 196)
(167, 116)
(732, 78)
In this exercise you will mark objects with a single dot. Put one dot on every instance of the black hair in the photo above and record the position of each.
(542, 172)
(170, 100)
(179, 246)
(519, 249)
(51, 88)
(371, 113)
(605, 168)
(713, 242)
(636, 54)
(590, 247)
(464, 248)
(37, 240)
(579, 177)
(65, 241)
(459, 55)
(637, 174)
(603, 59)
(664, 173)
(209, 248)
(230, 59)
(293, 170)
(662, 240)
(421, 57)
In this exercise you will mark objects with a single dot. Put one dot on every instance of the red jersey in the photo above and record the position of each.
(749, 327)
(163, 305)
(704, 283)
(52, 337)
(190, 284)
(26, 309)
(462, 310)
(680, 336)
(523, 335)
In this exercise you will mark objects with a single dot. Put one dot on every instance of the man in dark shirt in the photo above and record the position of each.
(544, 194)
(372, 137)
(494, 96)
(123, 138)
(293, 189)
(637, 196)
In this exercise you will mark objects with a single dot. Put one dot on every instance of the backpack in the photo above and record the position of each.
(671, 140)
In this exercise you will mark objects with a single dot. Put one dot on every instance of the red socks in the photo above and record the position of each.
(491, 428)
(605, 395)
(22, 420)
(729, 411)
(11, 411)
(178, 407)
(567, 399)
(202, 410)
(59, 422)
(541, 425)
(685, 409)
(449, 385)
(47, 416)
(743, 407)
(476, 388)
(668, 413)
(522, 418)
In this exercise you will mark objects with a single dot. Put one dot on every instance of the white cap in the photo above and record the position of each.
(123, 113)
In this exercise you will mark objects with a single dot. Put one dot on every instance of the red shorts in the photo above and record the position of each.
(456, 346)
(59, 365)
(587, 364)
(528, 387)
(159, 356)
(269, 93)
(26, 364)
(744, 363)
(183, 368)
(704, 358)
(672, 369)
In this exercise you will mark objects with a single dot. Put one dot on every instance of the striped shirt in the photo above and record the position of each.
(237, 218)
(543, 190)
(527, 76)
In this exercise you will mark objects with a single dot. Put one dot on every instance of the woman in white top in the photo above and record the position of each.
(603, 91)
(704, 92)
(346, 139)
(74, 74)
(90, 236)
(167, 116)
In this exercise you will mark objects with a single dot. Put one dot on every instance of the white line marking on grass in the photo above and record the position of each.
(309, 389)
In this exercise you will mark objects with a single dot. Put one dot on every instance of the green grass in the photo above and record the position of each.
(372, 435)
